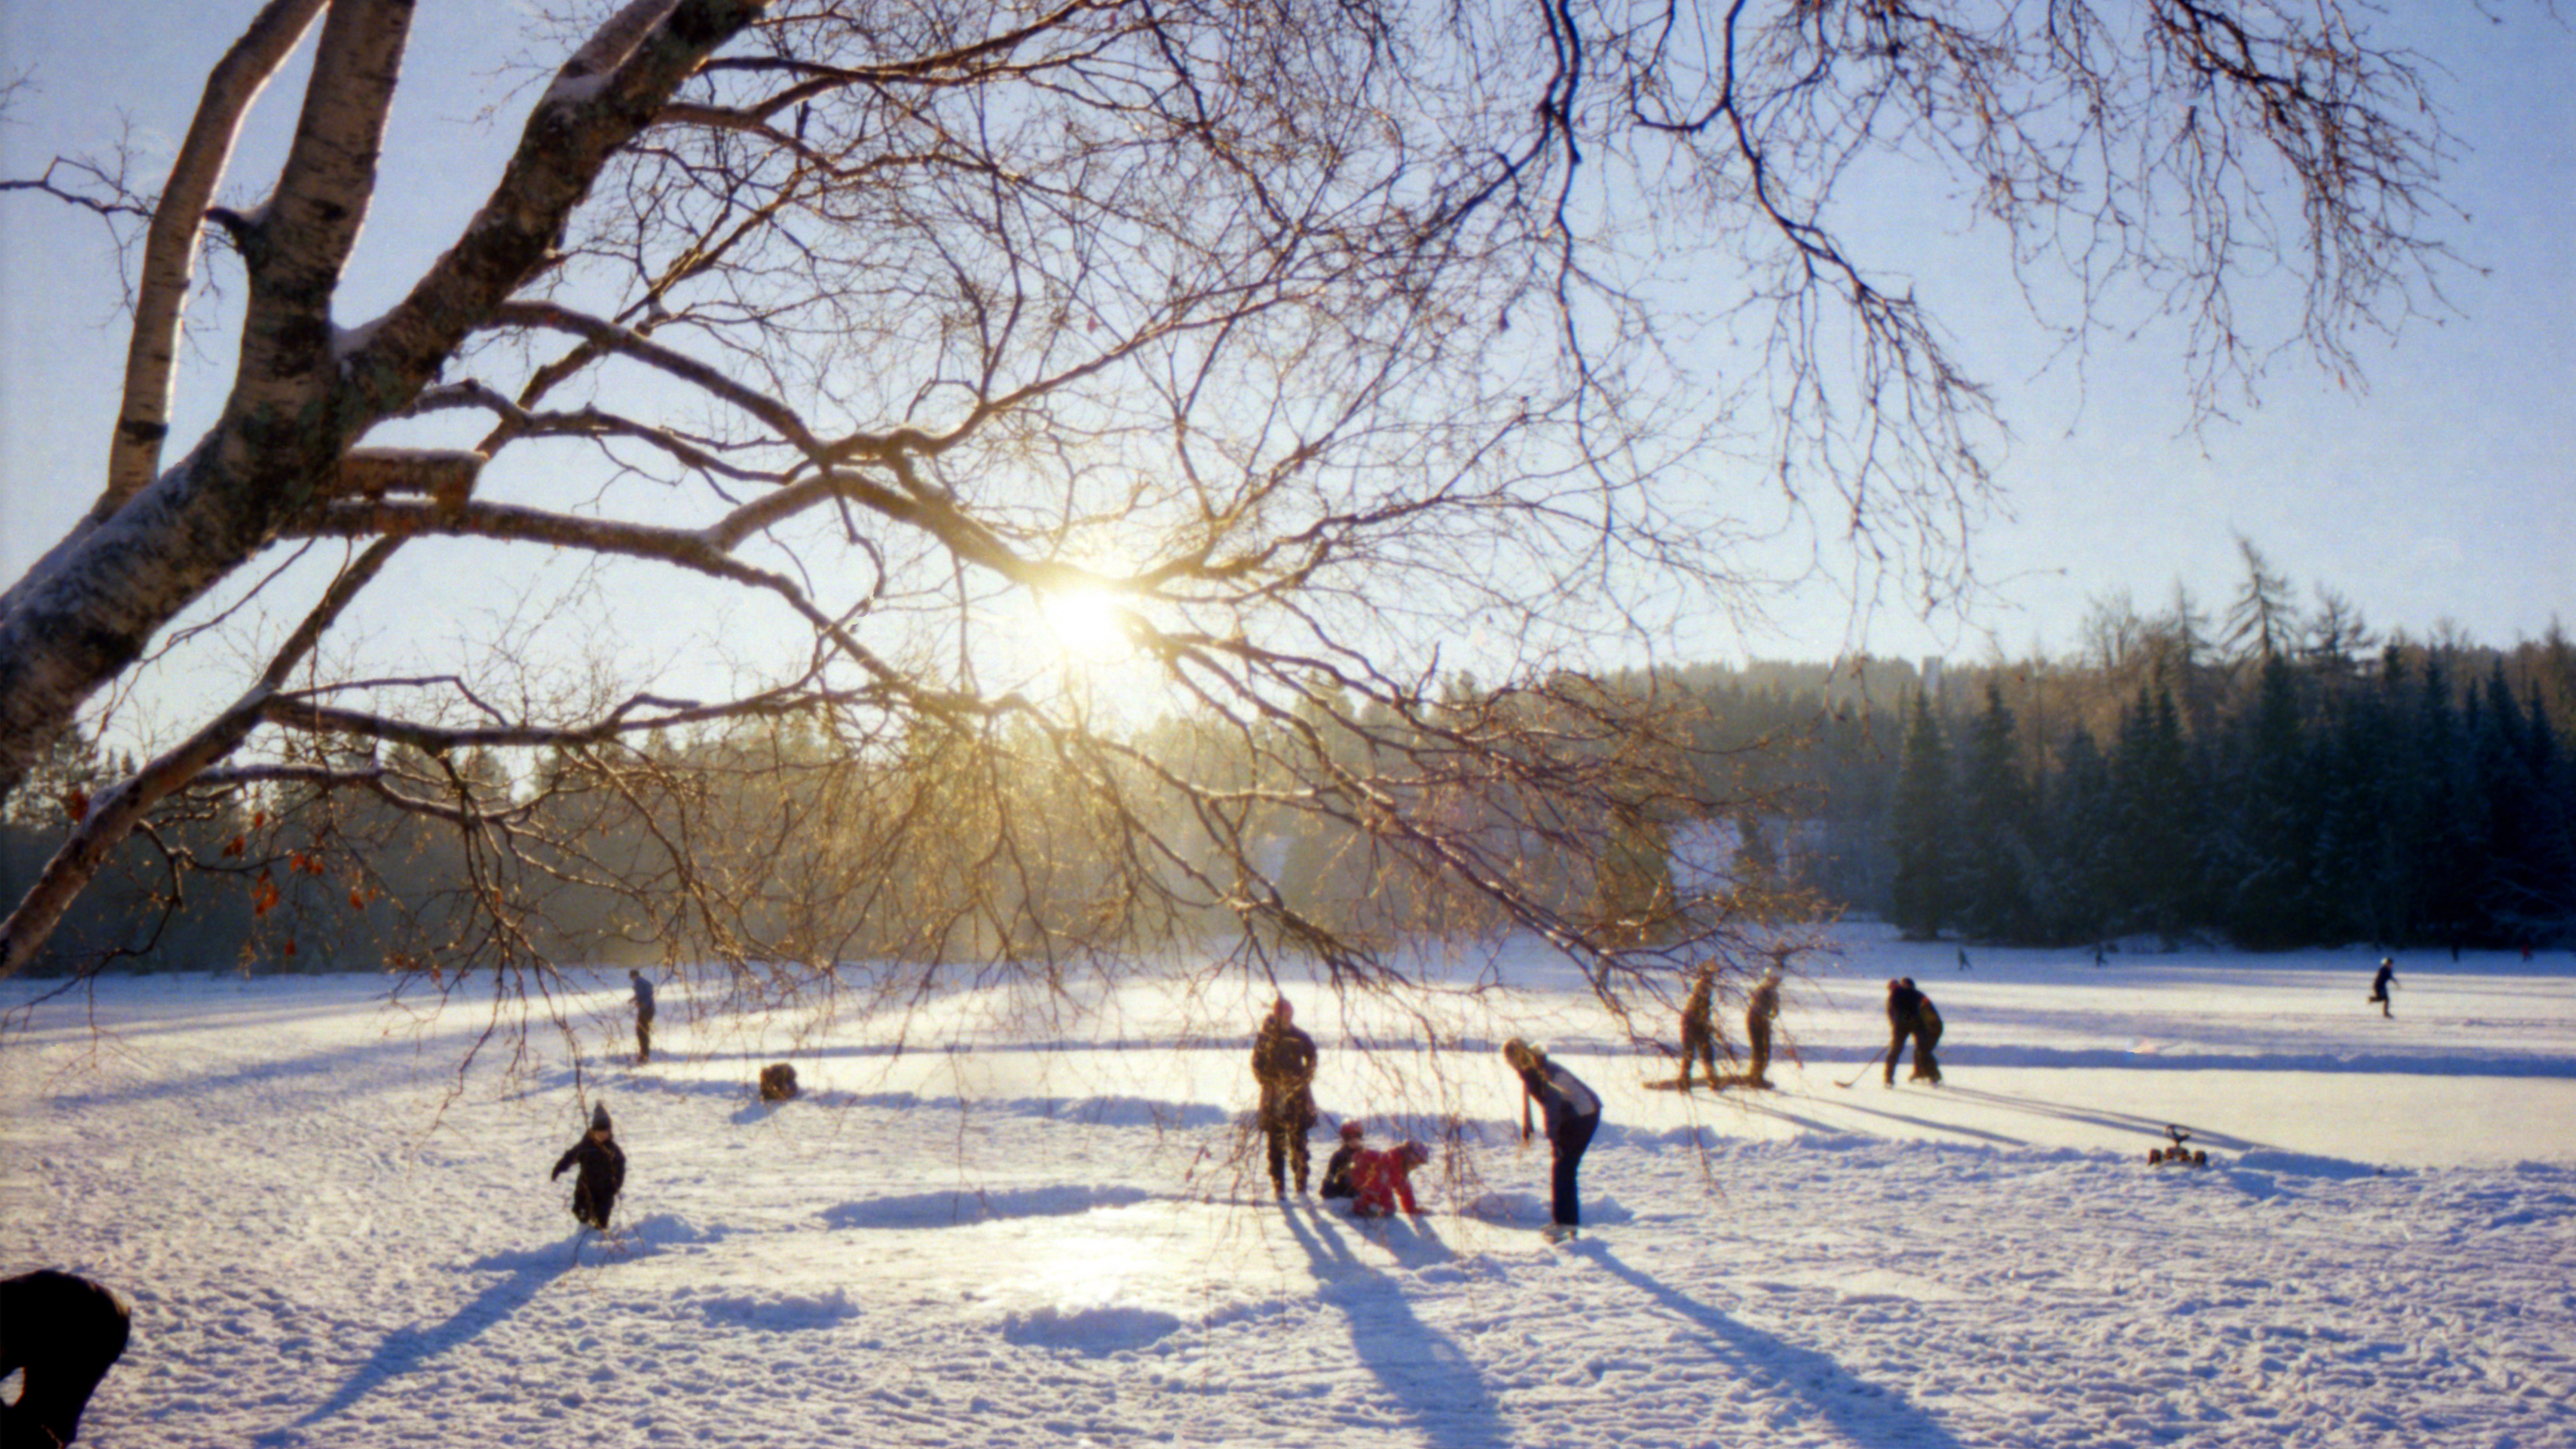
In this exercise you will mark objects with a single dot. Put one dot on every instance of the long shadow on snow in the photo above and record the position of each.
(410, 1346)
(2151, 1127)
(1861, 1412)
(1431, 1381)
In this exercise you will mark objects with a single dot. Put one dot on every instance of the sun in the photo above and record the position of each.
(1088, 624)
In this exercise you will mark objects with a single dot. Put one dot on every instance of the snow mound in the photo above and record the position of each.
(779, 1313)
(1530, 1210)
(1093, 1331)
(959, 1208)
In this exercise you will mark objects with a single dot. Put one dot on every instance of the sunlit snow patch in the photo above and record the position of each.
(1094, 1331)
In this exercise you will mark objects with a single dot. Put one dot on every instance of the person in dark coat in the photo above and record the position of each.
(1283, 1062)
(643, 1016)
(2380, 983)
(1573, 1115)
(64, 1332)
(1759, 1009)
(603, 1171)
(1337, 1173)
(1910, 1013)
(1699, 1040)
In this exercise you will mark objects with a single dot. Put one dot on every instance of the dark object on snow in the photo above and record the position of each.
(1963, 959)
(1699, 1039)
(65, 1332)
(1337, 1173)
(777, 1082)
(1283, 1062)
(2380, 983)
(1910, 1013)
(2189, 1156)
(1573, 1115)
(603, 1171)
(643, 1016)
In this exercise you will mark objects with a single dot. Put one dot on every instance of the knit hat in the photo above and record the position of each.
(1353, 1128)
(599, 1117)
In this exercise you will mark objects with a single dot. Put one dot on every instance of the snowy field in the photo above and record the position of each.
(1025, 1233)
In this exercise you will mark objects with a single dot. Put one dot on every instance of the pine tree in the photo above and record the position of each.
(1922, 898)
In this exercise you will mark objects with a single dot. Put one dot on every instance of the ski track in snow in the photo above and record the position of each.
(332, 1237)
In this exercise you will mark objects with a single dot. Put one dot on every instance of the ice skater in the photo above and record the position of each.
(643, 1016)
(1910, 1013)
(603, 1170)
(2380, 983)
(65, 1332)
(1759, 1010)
(1699, 1039)
(1573, 1115)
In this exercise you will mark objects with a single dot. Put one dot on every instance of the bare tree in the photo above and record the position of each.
(1335, 345)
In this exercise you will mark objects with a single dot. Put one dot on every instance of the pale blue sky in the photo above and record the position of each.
(2440, 492)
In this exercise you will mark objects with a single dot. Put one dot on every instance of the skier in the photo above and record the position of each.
(65, 1332)
(603, 1171)
(1381, 1180)
(1759, 1009)
(1699, 1042)
(1910, 1013)
(2380, 983)
(1337, 1173)
(1573, 1115)
(1283, 1062)
(643, 1015)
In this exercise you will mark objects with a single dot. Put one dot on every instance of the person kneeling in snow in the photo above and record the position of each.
(1380, 1180)
(1337, 1173)
(603, 1171)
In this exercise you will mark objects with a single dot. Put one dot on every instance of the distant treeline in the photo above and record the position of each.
(2277, 778)
(2274, 787)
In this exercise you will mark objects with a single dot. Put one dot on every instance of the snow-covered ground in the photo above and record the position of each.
(1022, 1233)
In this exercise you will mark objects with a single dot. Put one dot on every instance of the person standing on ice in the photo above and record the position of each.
(1283, 1062)
(1699, 1041)
(2380, 983)
(603, 1170)
(1759, 1010)
(1573, 1115)
(1910, 1013)
(65, 1332)
(643, 1015)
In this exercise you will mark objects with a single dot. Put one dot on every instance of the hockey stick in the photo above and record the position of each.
(1874, 1059)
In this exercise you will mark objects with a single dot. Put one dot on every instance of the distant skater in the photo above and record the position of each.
(603, 1170)
(643, 1016)
(1759, 1010)
(1963, 959)
(65, 1332)
(1573, 1115)
(1910, 1014)
(2380, 983)
(1283, 1062)
(1699, 1039)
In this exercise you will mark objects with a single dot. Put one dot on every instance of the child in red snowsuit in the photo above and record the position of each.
(1380, 1180)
